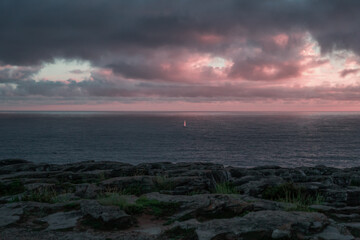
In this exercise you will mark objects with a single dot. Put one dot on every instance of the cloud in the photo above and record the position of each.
(347, 72)
(41, 30)
(16, 73)
(163, 49)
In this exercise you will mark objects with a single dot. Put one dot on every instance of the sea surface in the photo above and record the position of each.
(231, 138)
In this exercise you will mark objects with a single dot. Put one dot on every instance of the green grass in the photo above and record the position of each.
(131, 189)
(15, 187)
(291, 193)
(163, 183)
(113, 199)
(157, 208)
(225, 188)
(142, 205)
(46, 195)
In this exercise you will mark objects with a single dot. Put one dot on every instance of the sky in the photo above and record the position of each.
(184, 55)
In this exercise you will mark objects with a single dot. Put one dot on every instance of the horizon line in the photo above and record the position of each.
(3, 111)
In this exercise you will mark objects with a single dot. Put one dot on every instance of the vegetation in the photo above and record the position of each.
(47, 195)
(142, 205)
(291, 193)
(15, 187)
(163, 183)
(225, 188)
(52, 194)
(157, 208)
(132, 189)
(113, 199)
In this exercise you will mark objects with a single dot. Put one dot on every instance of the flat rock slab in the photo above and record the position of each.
(354, 228)
(62, 220)
(10, 213)
(110, 216)
(264, 224)
(332, 233)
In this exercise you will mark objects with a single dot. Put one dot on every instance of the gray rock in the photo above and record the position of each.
(62, 220)
(86, 190)
(145, 183)
(111, 217)
(354, 228)
(9, 214)
(332, 233)
(280, 234)
(262, 224)
(255, 188)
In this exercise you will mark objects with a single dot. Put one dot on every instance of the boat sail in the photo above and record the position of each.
(184, 123)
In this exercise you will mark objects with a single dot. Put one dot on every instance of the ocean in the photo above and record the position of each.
(244, 139)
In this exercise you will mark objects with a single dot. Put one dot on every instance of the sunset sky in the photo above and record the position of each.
(229, 55)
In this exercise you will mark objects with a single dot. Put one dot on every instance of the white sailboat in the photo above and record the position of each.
(184, 123)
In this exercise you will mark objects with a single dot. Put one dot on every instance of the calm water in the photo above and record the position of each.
(239, 139)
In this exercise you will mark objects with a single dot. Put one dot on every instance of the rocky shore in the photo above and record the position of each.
(113, 200)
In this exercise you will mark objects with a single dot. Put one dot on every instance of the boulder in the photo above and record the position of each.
(62, 220)
(108, 217)
(10, 213)
(333, 233)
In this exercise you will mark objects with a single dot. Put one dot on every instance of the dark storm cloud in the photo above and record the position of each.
(40, 30)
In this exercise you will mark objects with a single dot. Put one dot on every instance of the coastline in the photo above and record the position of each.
(114, 200)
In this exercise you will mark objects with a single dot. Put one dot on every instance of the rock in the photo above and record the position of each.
(132, 185)
(346, 217)
(280, 234)
(353, 197)
(245, 179)
(255, 188)
(218, 216)
(7, 162)
(62, 220)
(354, 228)
(335, 197)
(334, 210)
(109, 216)
(205, 206)
(262, 224)
(332, 233)
(10, 213)
(86, 190)
(186, 185)
(40, 209)
(38, 186)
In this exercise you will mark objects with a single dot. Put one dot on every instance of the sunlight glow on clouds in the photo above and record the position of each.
(61, 69)
(217, 62)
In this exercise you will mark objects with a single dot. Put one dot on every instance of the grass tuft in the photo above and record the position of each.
(225, 188)
(46, 195)
(291, 193)
(142, 205)
(163, 183)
